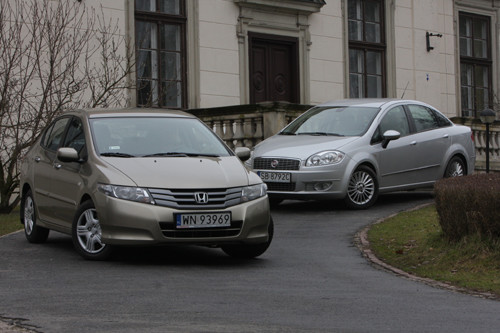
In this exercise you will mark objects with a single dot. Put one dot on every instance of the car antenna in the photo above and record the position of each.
(404, 91)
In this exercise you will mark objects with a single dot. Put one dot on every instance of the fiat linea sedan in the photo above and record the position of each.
(356, 149)
(141, 177)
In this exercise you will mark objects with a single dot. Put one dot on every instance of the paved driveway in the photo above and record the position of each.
(312, 279)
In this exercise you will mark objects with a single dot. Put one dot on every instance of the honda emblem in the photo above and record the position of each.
(201, 197)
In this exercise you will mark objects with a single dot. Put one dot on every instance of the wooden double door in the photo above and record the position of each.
(274, 70)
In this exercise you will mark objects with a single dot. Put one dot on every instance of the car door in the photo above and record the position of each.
(67, 181)
(44, 171)
(397, 161)
(431, 143)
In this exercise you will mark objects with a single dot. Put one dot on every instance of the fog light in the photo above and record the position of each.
(323, 186)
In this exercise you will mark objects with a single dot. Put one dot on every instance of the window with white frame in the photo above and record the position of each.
(366, 48)
(160, 27)
(475, 63)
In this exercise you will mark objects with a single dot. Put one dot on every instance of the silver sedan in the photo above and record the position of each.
(356, 149)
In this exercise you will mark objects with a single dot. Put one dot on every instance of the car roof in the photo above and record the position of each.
(369, 102)
(130, 112)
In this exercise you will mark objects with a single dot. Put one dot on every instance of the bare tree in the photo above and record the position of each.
(54, 56)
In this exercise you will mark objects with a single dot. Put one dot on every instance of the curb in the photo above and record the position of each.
(363, 244)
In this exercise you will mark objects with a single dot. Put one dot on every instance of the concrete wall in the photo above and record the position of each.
(327, 63)
(218, 53)
(218, 48)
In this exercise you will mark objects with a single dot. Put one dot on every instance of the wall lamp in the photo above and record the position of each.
(428, 35)
(487, 117)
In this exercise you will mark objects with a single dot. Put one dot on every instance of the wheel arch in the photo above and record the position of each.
(461, 157)
(86, 197)
(25, 188)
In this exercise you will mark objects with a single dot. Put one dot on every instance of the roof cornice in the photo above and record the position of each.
(306, 7)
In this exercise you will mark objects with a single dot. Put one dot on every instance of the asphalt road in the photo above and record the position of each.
(312, 279)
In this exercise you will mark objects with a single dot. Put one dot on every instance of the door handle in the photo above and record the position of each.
(57, 166)
(413, 143)
(37, 159)
(446, 136)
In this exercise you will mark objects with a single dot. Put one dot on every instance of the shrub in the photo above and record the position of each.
(469, 205)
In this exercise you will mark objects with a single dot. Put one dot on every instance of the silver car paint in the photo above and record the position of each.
(405, 164)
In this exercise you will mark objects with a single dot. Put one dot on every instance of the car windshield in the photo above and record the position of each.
(154, 137)
(335, 121)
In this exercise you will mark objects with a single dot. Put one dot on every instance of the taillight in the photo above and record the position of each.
(472, 136)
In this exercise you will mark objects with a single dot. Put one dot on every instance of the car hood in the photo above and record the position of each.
(299, 146)
(183, 172)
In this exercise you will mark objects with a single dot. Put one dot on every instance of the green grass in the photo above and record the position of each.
(10, 222)
(413, 241)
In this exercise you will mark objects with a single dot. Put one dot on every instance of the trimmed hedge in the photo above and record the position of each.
(469, 205)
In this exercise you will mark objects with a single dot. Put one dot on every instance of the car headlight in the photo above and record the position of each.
(126, 193)
(325, 158)
(253, 192)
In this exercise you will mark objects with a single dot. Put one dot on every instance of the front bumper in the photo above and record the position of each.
(131, 223)
(329, 182)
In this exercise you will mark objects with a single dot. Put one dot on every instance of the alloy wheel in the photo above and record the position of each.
(88, 231)
(361, 188)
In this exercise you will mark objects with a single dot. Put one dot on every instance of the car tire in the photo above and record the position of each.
(362, 189)
(249, 251)
(455, 168)
(86, 233)
(33, 232)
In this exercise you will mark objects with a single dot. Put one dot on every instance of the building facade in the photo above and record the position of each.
(212, 53)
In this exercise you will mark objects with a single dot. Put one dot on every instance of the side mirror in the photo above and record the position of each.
(389, 136)
(243, 153)
(67, 154)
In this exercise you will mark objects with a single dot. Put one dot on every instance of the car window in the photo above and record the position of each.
(75, 137)
(395, 119)
(441, 120)
(140, 136)
(54, 135)
(423, 118)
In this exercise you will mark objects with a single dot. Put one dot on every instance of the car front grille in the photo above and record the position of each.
(280, 164)
(283, 187)
(186, 199)
(169, 230)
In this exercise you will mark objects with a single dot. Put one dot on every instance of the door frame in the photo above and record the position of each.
(293, 42)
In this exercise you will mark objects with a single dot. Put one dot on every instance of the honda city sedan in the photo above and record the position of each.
(141, 177)
(356, 149)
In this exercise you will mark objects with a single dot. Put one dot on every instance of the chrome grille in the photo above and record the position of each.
(185, 199)
(169, 230)
(283, 164)
(284, 187)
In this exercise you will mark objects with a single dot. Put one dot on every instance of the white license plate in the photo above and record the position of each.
(275, 177)
(203, 220)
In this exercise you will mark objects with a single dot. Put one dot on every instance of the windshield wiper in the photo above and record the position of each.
(321, 134)
(169, 154)
(287, 133)
(109, 154)
(204, 155)
(179, 154)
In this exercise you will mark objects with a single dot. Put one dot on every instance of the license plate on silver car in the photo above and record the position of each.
(203, 220)
(275, 177)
